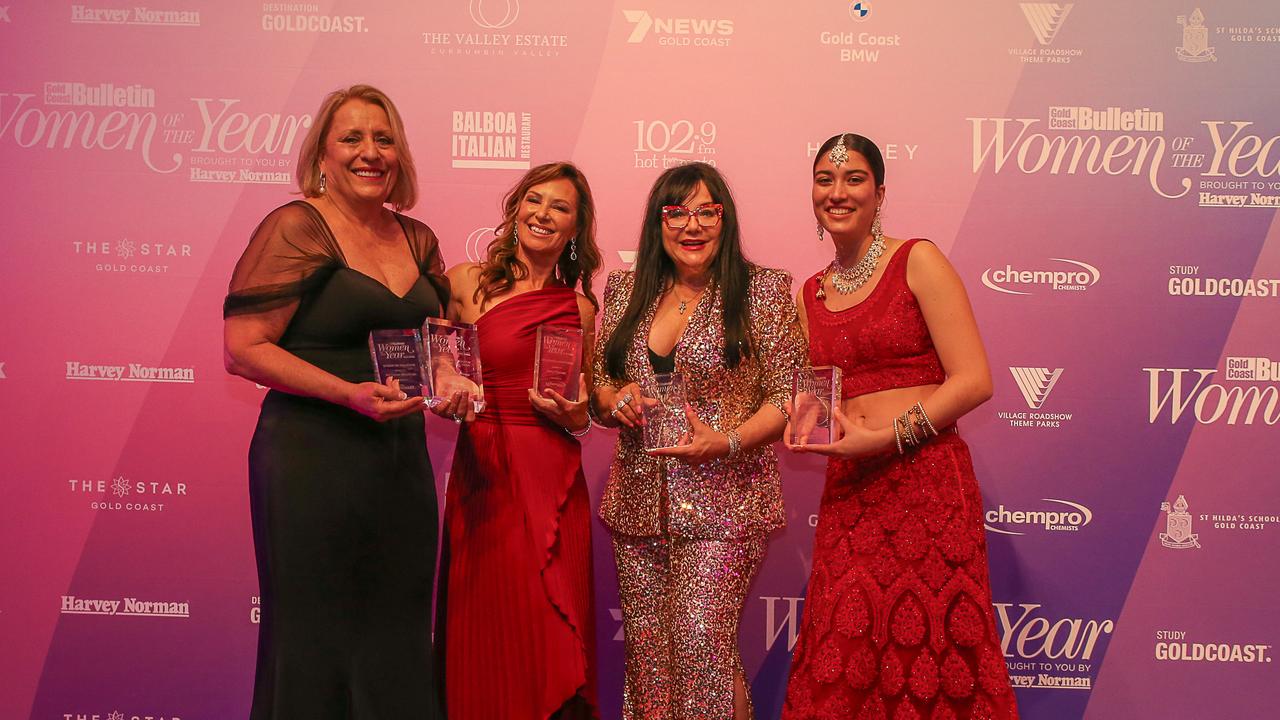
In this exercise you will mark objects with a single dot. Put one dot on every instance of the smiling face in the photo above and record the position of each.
(359, 159)
(845, 197)
(693, 248)
(547, 217)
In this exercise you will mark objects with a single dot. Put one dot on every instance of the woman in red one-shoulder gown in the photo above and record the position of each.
(897, 621)
(515, 629)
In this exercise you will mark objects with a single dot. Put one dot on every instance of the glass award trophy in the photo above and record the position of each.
(815, 393)
(662, 405)
(557, 360)
(451, 361)
(398, 354)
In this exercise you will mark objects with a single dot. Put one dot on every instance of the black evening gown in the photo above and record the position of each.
(343, 507)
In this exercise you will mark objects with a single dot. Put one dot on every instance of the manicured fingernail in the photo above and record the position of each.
(403, 396)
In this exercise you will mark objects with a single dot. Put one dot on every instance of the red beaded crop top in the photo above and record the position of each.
(881, 343)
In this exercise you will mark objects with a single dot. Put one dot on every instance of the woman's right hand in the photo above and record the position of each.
(621, 405)
(383, 402)
(457, 407)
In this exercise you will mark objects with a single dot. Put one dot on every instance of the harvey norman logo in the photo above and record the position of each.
(1076, 276)
(1179, 392)
(72, 605)
(133, 372)
(675, 32)
(1063, 516)
(87, 15)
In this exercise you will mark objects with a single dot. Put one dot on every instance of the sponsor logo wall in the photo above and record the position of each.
(1104, 178)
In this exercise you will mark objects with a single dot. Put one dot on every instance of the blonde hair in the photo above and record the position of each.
(404, 194)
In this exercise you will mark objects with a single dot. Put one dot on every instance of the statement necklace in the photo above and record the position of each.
(849, 280)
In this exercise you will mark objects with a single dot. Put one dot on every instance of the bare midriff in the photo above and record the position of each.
(878, 409)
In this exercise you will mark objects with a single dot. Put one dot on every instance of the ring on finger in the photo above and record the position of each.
(619, 405)
(627, 398)
(614, 412)
(457, 419)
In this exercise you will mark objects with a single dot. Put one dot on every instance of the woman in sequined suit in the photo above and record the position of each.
(690, 523)
(897, 620)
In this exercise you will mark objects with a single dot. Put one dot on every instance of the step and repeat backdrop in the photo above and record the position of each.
(1104, 176)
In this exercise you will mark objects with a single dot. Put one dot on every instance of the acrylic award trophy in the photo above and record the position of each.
(815, 394)
(398, 354)
(557, 360)
(452, 361)
(662, 405)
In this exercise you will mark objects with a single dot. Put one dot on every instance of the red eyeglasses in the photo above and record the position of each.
(677, 216)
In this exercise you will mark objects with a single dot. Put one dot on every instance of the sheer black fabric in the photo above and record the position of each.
(343, 507)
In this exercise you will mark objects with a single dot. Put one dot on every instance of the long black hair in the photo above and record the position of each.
(730, 271)
(859, 144)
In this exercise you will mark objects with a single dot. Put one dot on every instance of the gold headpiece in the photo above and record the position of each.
(839, 154)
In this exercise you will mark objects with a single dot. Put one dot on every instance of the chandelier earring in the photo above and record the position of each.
(515, 235)
(323, 183)
(820, 232)
(876, 232)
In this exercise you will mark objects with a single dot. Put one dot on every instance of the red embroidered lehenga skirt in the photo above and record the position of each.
(898, 621)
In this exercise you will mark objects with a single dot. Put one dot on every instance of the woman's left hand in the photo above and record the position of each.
(702, 445)
(856, 440)
(568, 415)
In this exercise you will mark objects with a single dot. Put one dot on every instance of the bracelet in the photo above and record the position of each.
(579, 433)
(735, 443)
(897, 435)
(922, 419)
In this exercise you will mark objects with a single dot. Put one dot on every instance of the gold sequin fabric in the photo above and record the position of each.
(681, 602)
(724, 499)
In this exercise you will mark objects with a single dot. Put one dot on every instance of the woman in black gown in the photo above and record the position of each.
(341, 490)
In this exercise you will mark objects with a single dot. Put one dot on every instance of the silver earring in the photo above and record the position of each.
(820, 232)
(876, 232)
(573, 248)
(322, 182)
(515, 237)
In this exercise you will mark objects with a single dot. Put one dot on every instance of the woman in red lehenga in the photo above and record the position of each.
(515, 631)
(898, 622)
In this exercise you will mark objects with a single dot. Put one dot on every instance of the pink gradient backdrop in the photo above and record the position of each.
(116, 255)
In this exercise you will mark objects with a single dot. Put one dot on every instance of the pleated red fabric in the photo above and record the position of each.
(515, 631)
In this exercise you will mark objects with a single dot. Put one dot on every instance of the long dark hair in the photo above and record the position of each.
(859, 144)
(730, 271)
(501, 268)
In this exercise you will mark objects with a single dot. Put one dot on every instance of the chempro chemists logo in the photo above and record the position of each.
(1058, 516)
(1067, 276)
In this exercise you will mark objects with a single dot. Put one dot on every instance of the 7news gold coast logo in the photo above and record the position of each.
(676, 32)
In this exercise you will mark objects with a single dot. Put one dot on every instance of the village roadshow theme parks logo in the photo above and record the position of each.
(1230, 164)
(1035, 384)
(1046, 21)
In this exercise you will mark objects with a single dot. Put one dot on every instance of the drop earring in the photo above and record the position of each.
(323, 183)
(573, 249)
(820, 232)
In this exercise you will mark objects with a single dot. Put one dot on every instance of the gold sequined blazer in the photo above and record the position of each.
(722, 499)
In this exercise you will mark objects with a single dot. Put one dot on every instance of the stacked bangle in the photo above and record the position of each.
(905, 425)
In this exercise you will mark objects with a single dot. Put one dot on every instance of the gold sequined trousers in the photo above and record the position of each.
(681, 602)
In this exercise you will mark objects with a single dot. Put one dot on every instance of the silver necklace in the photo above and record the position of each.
(848, 280)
